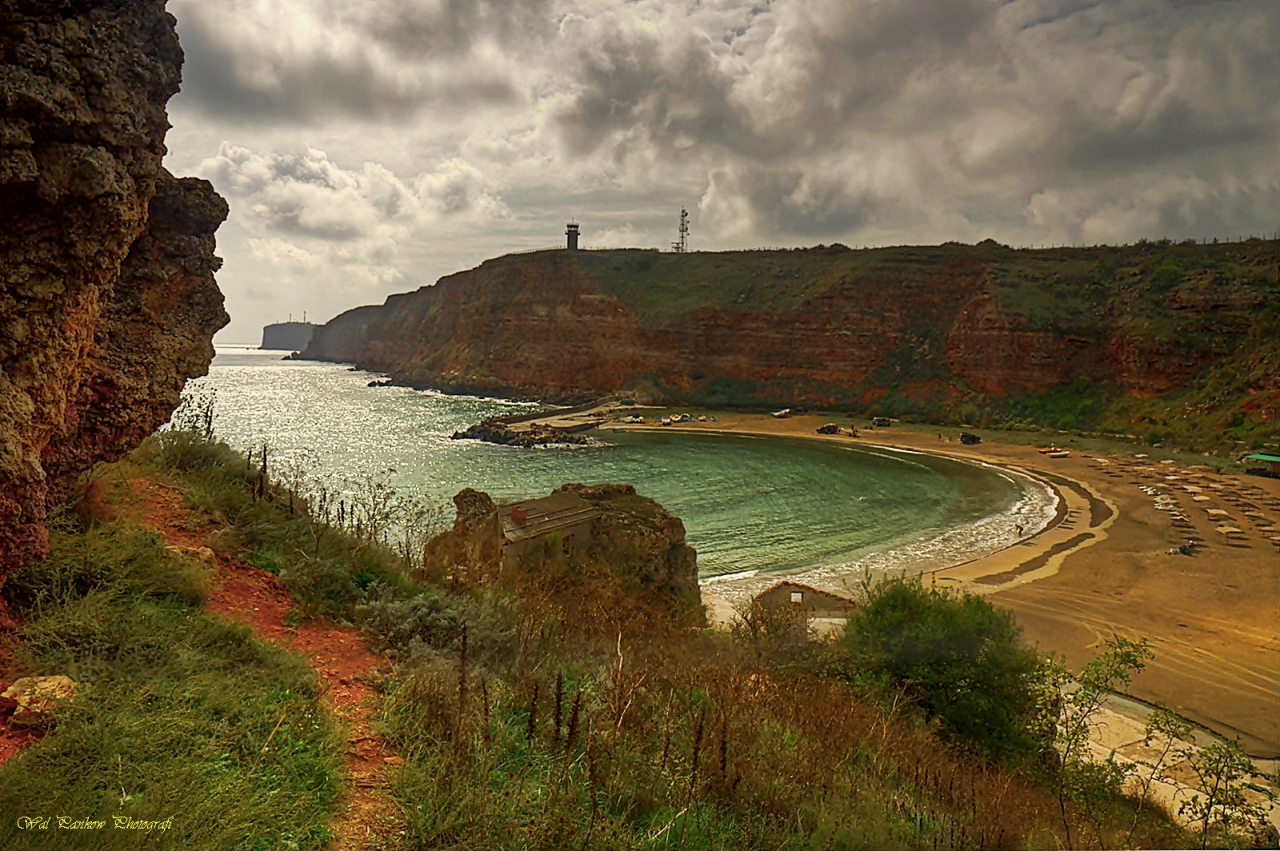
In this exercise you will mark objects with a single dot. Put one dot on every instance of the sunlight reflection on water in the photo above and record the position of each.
(752, 507)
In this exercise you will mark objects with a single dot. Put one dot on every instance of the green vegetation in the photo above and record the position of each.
(329, 546)
(181, 719)
(1175, 344)
(961, 660)
(1223, 773)
(677, 743)
(1067, 708)
(567, 707)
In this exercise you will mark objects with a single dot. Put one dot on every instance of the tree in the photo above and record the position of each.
(1223, 770)
(1065, 710)
(1162, 725)
(958, 657)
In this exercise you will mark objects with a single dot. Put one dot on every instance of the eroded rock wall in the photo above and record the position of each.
(928, 330)
(107, 298)
(631, 535)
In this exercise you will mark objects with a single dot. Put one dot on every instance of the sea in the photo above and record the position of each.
(756, 509)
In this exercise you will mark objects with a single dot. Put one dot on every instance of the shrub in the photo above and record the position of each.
(961, 659)
(1066, 707)
(425, 619)
(1223, 773)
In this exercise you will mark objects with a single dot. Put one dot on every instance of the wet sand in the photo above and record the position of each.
(1103, 567)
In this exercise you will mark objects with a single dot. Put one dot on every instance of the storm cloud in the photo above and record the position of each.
(404, 139)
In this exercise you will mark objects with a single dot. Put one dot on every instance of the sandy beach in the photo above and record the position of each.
(1105, 566)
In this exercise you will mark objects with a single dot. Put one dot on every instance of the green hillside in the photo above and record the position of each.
(1208, 316)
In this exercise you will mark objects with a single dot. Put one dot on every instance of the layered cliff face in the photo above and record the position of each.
(107, 298)
(1060, 337)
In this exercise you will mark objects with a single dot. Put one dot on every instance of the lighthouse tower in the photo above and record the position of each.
(571, 232)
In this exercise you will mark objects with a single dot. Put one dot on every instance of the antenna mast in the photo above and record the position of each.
(682, 245)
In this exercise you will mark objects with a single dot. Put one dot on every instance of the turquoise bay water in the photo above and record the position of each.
(753, 507)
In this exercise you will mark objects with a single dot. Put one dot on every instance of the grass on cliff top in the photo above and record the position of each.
(663, 286)
(1065, 288)
(181, 718)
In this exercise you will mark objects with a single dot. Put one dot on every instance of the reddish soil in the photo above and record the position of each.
(339, 654)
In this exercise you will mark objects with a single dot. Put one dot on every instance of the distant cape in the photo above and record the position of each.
(287, 336)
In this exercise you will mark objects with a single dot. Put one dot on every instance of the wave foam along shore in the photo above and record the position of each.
(1039, 507)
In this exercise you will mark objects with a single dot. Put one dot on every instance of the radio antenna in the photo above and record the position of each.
(682, 245)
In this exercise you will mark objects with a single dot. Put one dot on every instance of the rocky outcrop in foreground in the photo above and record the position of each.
(626, 535)
(651, 539)
(107, 297)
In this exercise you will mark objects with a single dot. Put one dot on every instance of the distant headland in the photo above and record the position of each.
(1168, 343)
(288, 336)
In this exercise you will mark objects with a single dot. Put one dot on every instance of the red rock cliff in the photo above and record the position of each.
(107, 298)
(919, 330)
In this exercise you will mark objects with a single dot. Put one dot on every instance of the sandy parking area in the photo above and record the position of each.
(1212, 618)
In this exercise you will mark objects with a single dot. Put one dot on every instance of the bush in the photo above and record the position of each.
(959, 658)
(427, 619)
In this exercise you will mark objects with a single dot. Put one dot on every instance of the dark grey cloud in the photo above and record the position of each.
(635, 89)
(828, 66)
(796, 204)
(1077, 89)
(332, 59)
(427, 29)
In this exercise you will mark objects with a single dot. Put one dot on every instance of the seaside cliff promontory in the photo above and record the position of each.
(1154, 339)
(108, 302)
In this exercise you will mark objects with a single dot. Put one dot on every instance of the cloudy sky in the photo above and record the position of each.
(372, 146)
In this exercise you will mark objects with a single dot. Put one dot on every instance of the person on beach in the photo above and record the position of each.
(1018, 526)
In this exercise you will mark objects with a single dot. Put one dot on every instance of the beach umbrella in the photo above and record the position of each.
(1230, 530)
(1216, 512)
(1199, 499)
(1192, 489)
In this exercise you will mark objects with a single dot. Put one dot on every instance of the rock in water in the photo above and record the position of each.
(495, 431)
(107, 298)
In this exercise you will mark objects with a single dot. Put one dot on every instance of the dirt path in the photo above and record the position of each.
(245, 594)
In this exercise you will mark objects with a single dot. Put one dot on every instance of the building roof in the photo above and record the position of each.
(545, 515)
(1263, 456)
(786, 583)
